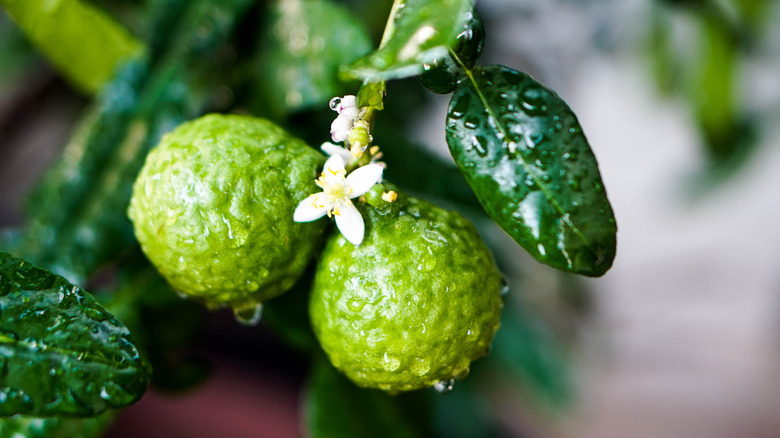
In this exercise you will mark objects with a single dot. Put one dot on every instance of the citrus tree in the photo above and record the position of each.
(297, 202)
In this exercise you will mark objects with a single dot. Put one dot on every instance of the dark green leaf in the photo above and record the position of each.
(530, 351)
(524, 154)
(60, 351)
(336, 408)
(443, 74)
(55, 427)
(422, 31)
(310, 40)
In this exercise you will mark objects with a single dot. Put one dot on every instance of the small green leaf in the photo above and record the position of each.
(336, 408)
(60, 351)
(310, 40)
(55, 427)
(442, 75)
(421, 31)
(524, 154)
(372, 94)
(82, 41)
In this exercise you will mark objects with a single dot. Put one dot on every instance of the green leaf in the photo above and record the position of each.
(55, 427)
(82, 41)
(524, 154)
(310, 40)
(336, 408)
(527, 348)
(442, 75)
(372, 94)
(420, 32)
(60, 351)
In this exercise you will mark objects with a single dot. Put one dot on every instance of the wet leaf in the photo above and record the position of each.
(336, 408)
(524, 154)
(55, 427)
(442, 75)
(310, 40)
(423, 30)
(60, 351)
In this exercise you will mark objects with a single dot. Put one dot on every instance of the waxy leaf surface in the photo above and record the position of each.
(524, 154)
(423, 30)
(60, 351)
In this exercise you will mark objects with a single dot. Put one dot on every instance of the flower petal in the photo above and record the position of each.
(339, 129)
(350, 223)
(312, 208)
(334, 149)
(333, 170)
(347, 103)
(362, 179)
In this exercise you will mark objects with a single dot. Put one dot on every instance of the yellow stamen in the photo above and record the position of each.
(390, 196)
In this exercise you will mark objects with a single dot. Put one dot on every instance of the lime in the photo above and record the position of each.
(413, 305)
(213, 209)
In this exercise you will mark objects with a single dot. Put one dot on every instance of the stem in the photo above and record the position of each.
(370, 111)
(390, 26)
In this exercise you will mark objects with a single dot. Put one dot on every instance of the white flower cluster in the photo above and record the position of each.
(338, 188)
(348, 112)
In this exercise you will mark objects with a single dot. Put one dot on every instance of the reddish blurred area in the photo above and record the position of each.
(236, 401)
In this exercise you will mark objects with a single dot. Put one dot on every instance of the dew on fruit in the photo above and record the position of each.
(249, 316)
(420, 367)
(390, 363)
(356, 305)
(444, 386)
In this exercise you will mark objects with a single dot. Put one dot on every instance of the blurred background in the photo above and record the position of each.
(680, 101)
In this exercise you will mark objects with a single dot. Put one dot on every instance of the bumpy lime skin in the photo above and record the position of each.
(213, 209)
(414, 304)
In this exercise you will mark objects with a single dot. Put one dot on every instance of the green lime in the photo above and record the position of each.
(413, 305)
(213, 209)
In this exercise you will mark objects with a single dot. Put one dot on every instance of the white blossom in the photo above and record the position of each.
(334, 149)
(348, 112)
(338, 189)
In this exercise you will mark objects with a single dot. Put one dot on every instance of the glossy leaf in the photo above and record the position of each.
(60, 351)
(442, 75)
(310, 40)
(55, 427)
(422, 30)
(524, 154)
(336, 408)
